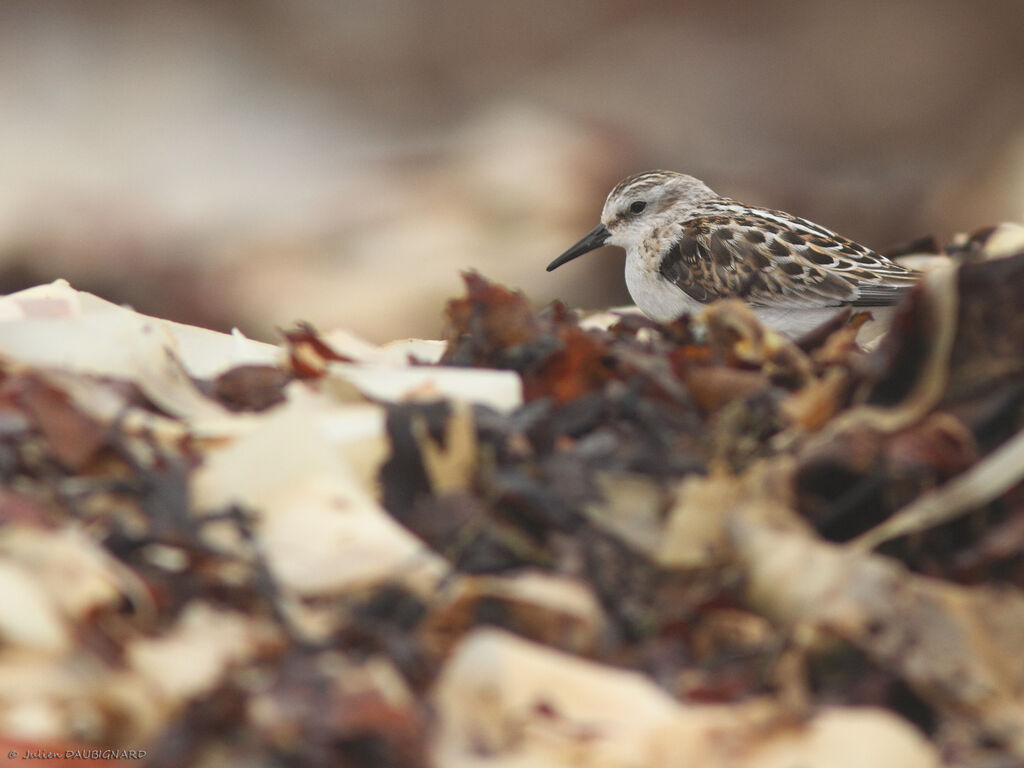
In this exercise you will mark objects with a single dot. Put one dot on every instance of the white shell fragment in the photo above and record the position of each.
(504, 702)
(501, 390)
(320, 528)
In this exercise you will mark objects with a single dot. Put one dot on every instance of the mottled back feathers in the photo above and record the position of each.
(772, 258)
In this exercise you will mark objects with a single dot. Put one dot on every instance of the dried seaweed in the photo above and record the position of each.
(557, 541)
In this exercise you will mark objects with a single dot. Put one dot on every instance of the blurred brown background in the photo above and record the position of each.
(256, 163)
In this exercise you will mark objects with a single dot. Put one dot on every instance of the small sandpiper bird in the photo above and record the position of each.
(687, 246)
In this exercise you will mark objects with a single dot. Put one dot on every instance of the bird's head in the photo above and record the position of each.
(638, 206)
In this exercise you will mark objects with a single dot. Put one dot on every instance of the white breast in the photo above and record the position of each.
(657, 298)
(795, 322)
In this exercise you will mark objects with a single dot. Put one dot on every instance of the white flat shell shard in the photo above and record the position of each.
(56, 326)
(501, 390)
(317, 522)
(503, 701)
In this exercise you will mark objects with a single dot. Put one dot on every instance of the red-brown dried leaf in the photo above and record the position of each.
(487, 321)
(308, 353)
(690, 354)
(73, 437)
(715, 386)
(838, 346)
(370, 719)
(581, 365)
(21, 510)
(940, 446)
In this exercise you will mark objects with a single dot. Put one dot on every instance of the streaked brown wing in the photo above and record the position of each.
(769, 263)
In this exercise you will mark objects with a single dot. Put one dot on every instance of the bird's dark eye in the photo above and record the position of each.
(637, 207)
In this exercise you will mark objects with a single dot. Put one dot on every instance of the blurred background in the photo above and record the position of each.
(255, 163)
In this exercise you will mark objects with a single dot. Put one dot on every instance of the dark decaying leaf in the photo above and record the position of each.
(250, 387)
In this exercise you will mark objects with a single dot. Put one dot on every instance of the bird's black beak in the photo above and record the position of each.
(595, 238)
